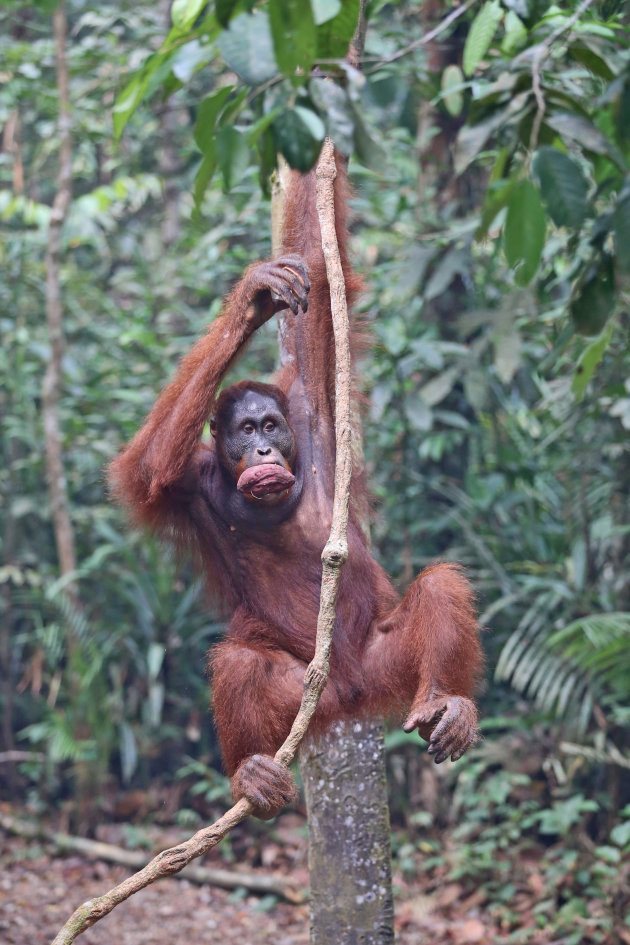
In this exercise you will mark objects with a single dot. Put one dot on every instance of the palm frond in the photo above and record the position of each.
(565, 672)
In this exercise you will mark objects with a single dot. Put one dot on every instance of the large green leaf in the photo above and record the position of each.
(594, 296)
(207, 115)
(225, 10)
(298, 133)
(524, 234)
(247, 47)
(481, 34)
(144, 83)
(185, 12)
(324, 10)
(294, 35)
(232, 155)
(334, 35)
(563, 186)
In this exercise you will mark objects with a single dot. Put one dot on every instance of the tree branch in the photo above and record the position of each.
(422, 41)
(334, 556)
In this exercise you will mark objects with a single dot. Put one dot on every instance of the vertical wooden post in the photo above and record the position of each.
(349, 855)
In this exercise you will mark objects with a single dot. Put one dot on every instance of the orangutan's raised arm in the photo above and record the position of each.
(159, 456)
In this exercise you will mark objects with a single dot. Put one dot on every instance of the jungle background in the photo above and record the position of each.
(491, 219)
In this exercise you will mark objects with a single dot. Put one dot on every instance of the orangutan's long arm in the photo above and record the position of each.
(161, 453)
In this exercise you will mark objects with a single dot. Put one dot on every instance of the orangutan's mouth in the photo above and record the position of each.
(265, 479)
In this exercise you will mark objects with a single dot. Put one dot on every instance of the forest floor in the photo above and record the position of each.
(40, 888)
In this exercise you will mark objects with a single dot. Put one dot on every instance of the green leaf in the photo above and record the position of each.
(524, 234)
(294, 35)
(225, 10)
(563, 186)
(621, 227)
(593, 297)
(584, 133)
(153, 73)
(247, 47)
(582, 53)
(589, 359)
(298, 133)
(232, 155)
(233, 107)
(608, 854)
(324, 10)
(622, 113)
(452, 90)
(128, 752)
(455, 261)
(267, 159)
(515, 33)
(418, 413)
(368, 150)
(480, 35)
(333, 37)
(507, 352)
(185, 12)
(471, 139)
(190, 58)
(155, 659)
(207, 115)
(127, 102)
(333, 104)
(497, 195)
(261, 125)
(435, 390)
(621, 834)
(204, 175)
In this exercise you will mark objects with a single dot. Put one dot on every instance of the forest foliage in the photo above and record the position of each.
(491, 218)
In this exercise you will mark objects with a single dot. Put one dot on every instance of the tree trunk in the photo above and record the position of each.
(51, 388)
(6, 625)
(168, 161)
(349, 856)
(86, 773)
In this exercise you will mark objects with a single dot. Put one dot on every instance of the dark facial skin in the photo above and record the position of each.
(255, 432)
